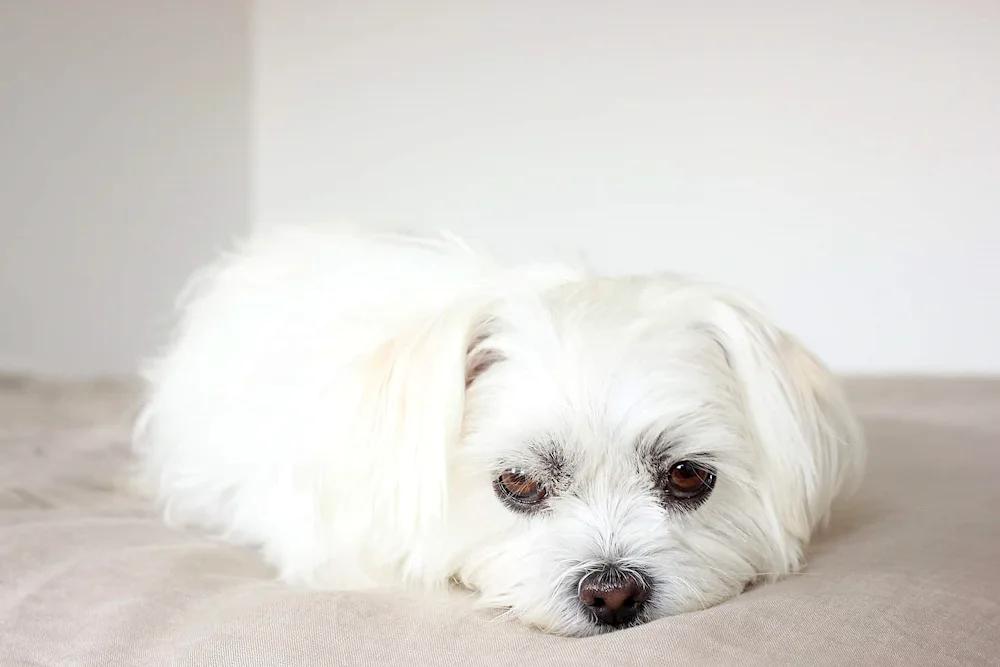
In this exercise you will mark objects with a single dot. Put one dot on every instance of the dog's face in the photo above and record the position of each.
(614, 469)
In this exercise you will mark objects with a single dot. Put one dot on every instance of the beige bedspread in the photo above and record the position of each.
(908, 574)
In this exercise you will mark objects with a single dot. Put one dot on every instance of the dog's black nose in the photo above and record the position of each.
(614, 597)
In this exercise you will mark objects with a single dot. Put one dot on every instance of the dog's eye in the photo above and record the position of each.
(688, 480)
(517, 488)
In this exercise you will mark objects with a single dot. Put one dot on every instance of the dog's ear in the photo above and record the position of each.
(812, 446)
(414, 403)
(481, 355)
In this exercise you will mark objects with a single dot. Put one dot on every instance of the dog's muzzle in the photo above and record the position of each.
(614, 597)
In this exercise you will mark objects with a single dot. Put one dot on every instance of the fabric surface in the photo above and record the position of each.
(907, 574)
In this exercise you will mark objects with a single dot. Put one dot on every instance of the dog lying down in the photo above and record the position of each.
(376, 409)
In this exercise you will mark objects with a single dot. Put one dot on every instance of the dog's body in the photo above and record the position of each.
(384, 409)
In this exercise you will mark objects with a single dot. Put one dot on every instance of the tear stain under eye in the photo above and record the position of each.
(654, 452)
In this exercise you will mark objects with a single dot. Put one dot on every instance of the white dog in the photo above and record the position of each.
(375, 409)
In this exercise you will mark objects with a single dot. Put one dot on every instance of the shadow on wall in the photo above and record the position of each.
(125, 129)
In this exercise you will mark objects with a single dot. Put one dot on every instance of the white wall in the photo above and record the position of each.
(124, 138)
(839, 160)
(841, 163)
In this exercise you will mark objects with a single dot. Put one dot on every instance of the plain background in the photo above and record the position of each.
(841, 162)
(124, 153)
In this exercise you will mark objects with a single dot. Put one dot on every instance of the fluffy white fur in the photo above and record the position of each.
(344, 401)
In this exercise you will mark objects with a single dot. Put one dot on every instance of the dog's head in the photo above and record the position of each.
(635, 448)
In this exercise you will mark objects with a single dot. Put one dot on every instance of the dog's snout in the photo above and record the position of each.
(614, 597)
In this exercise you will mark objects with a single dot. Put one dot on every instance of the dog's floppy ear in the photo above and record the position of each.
(413, 406)
(812, 446)
(481, 356)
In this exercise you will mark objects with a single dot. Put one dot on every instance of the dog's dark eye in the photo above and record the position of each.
(688, 480)
(519, 490)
